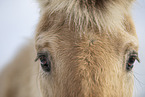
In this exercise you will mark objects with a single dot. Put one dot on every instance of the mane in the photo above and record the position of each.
(101, 15)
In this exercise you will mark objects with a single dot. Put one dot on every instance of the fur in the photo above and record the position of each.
(102, 15)
(89, 42)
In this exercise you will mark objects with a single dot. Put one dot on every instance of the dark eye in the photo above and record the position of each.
(44, 61)
(131, 61)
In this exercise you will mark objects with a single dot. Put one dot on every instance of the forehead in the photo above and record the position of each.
(66, 38)
(50, 33)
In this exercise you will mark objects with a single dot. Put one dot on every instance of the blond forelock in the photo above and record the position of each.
(100, 15)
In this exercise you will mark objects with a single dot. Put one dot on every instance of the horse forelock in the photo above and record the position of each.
(81, 15)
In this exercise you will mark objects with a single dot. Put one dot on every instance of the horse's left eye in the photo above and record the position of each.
(131, 61)
(44, 61)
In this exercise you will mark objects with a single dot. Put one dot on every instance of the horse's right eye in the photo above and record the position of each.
(44, 62)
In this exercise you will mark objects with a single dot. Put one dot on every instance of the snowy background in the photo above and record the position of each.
(18, 19)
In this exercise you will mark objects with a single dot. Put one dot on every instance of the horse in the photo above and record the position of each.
(81, 48)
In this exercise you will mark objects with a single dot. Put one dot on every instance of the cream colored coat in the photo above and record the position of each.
(89, 42)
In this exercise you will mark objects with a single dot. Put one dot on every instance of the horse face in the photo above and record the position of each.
(85, 63)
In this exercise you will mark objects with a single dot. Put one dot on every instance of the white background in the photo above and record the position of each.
(18, 19)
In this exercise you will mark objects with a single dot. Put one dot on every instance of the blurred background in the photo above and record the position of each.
(18, 19)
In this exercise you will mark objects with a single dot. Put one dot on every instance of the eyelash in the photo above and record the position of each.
(44, 61)
(131, 60)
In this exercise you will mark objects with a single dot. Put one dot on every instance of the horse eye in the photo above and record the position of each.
(44, 61)
(131, 61)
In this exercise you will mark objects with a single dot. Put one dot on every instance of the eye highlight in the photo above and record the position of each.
(44, 61)
(131, 60)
